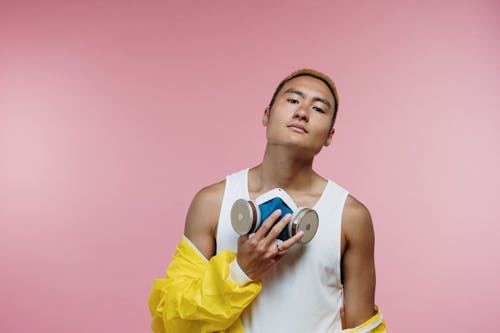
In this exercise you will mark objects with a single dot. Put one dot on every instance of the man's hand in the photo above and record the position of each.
(259, 253)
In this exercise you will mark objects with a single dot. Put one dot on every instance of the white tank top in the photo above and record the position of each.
(303, 291)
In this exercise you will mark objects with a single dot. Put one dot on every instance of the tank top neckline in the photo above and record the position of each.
(316, 204)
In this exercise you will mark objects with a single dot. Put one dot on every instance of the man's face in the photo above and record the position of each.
(301, 115)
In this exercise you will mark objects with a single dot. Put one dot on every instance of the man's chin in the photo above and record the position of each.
(298, 147)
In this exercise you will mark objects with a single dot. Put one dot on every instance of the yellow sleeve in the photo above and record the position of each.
(196, 296)
(375, 324)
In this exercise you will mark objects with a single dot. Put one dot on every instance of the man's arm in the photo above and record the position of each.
(358, 266)
(202, 218)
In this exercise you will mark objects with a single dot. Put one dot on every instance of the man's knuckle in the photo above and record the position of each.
(260, 249)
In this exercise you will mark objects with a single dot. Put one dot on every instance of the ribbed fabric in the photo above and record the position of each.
(303, 292)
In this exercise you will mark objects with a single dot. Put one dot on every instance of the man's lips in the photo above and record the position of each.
(298, 128)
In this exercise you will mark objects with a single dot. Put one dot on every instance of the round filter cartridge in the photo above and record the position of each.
(307, 220)
(243, 216)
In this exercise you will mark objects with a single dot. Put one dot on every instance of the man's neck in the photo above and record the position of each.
(285, 168)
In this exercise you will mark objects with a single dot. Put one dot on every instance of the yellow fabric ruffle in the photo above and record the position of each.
(375, 324)
(196, 296)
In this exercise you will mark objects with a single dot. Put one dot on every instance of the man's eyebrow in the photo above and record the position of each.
(301, 94)
(294, 91)
(324, 101)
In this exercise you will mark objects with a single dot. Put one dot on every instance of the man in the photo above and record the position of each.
(221, 282)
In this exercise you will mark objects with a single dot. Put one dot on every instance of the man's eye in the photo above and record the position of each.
(318, 109)
(292, 100)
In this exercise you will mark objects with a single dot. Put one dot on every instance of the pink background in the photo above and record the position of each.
(113, 115)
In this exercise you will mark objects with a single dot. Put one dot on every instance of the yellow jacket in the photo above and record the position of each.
(196, 296)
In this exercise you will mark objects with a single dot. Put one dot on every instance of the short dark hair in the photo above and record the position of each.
(317, 75)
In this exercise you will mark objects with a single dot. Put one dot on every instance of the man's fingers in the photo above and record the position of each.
(291, 241)
(268, 224)
(278, 228)
(269, 231)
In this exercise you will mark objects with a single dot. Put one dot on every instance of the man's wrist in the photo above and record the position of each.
(236, 274)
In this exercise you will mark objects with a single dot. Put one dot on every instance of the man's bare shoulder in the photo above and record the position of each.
(206, 204)
(356, 220)
(202, 217)
(210, 194)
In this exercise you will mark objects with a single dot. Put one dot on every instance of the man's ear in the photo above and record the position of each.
(265, 117)
(329, 137)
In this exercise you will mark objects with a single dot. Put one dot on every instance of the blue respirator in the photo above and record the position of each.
(247, 215)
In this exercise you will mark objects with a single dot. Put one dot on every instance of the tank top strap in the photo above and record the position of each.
(237, 184)
(236, 188)
(333, 198)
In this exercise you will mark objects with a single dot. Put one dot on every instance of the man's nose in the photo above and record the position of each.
(302, 112)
